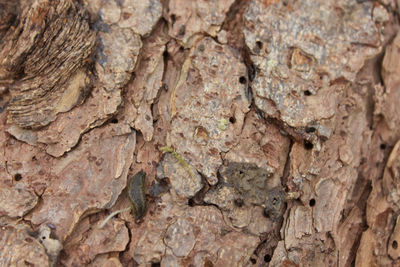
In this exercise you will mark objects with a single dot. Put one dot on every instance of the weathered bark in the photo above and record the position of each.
(268, 132)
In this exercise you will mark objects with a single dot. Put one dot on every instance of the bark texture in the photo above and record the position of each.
(240, 133)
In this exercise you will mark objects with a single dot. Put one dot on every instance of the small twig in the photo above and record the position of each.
(112, 215)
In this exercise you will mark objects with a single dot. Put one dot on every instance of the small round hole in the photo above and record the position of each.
(238, 202)
(308, 145)
(267, 258)
(242, 80)
(181, 49)
(394, 244)
(155, 264)
(17, 177)
(310, 129)
(191, 202)
(253, 261)
(165, 54)
(232, 120)
(182, 30)
(307, 93)
(266, 214)
(383, 146)
(312, 202)
(259, 44)
(173, 18)
(114, 121)
(43, 237)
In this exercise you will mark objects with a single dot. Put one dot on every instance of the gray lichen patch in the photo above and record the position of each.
(300, 49)
(244, 186)
(250, 181)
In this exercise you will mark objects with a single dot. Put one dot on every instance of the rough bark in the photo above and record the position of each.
(240, 133)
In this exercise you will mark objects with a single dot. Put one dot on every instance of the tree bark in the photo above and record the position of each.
(199, 133)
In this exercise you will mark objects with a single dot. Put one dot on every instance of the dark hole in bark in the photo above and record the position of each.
(312, 202)
(181, 49)
(17, 177)
(165, 54)
(394, 244)
(114, 121)
(232, 120)
(182, 30)
(259, 44)
(267, 258)
(266, 213)
(383, 146)
(253, 261)
(308, 145)
(242, 80)
(310, 129)
(307, 93)
(173, 18)
(238, 202)
(191, 202)
(155, 264)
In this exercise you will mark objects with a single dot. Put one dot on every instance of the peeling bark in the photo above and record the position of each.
(267, 132)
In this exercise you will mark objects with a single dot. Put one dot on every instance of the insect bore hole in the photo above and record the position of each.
(312, 202)
(191, 202)
(239, 202)
(259, 44)
(310, 129)
(307, 93)
(114, 121)
(267, 258)
(242, 80)
(173, 19)
(394, 244)
(308, 145)
(232, 120)
(17, 177)
(383, 146)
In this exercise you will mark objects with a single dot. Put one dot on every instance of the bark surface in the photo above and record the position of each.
(199, 133)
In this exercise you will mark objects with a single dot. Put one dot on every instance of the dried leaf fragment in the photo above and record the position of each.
(137, 195)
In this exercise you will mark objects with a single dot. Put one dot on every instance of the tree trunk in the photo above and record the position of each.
(199, 133)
